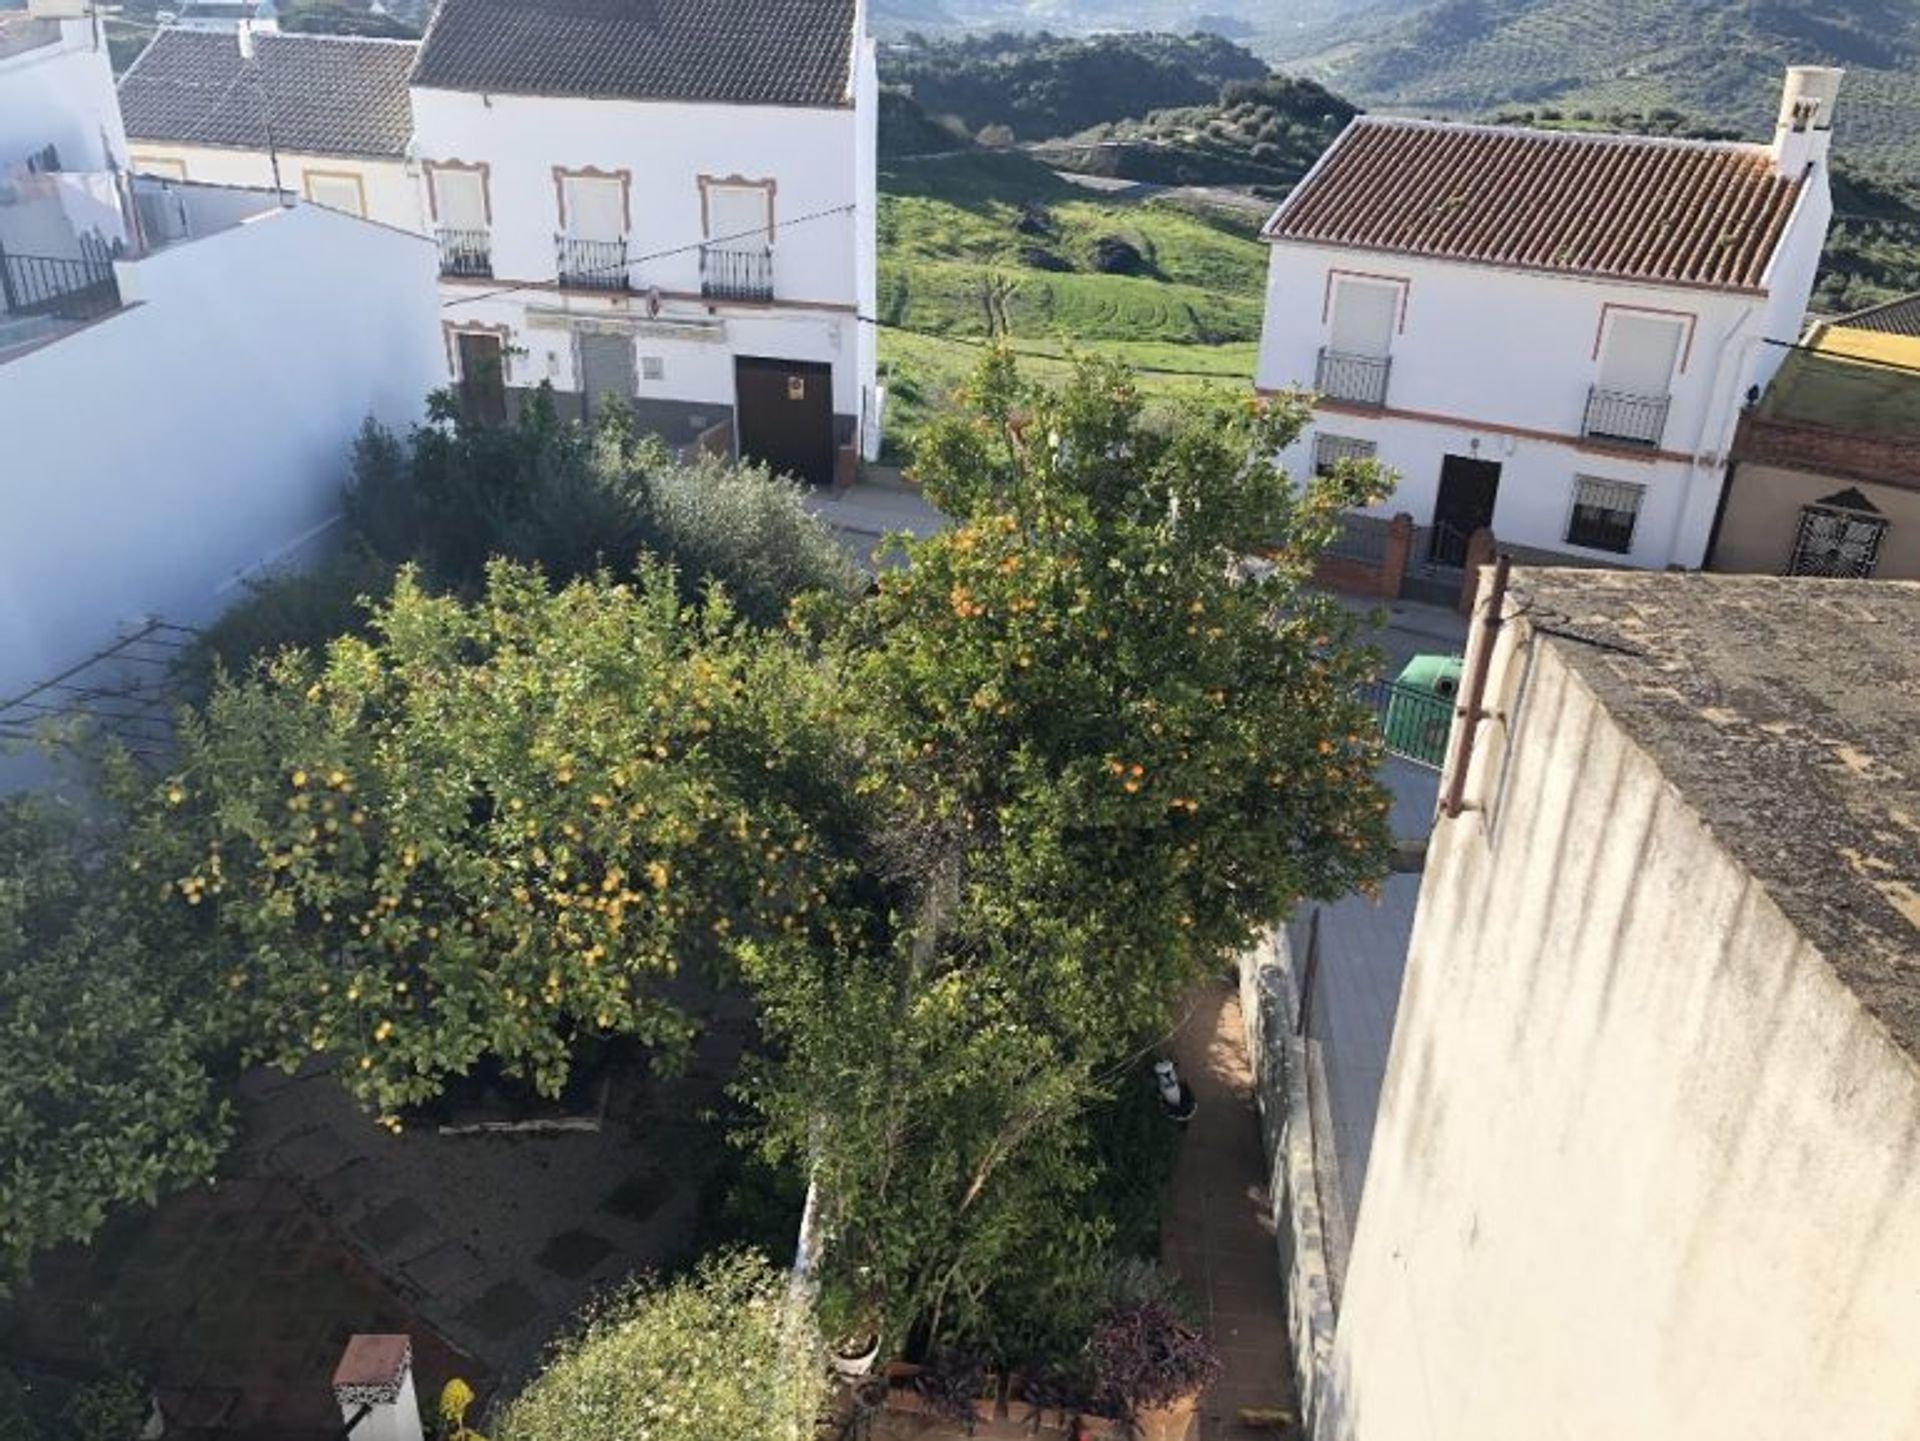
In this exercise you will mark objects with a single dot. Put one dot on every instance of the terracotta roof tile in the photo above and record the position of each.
(1896, 317)
(328, 94)
(1671, 212)
(736, 52)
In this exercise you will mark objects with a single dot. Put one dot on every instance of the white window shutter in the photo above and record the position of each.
(336, 192)
(596, 208)
(1639, 354)
(460, 199)
(1365, 313)
(738, 215)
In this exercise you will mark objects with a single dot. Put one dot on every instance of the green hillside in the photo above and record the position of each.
(1720, 60)
(1263, 134)
(1045, 85)
(993, 244)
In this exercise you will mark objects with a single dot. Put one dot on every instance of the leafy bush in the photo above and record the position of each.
(574, 500)
(300, 609)
(749, 530)
(717, 1356)
(105, 1098)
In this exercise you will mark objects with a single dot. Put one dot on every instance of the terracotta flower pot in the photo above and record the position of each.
(1166, 1423)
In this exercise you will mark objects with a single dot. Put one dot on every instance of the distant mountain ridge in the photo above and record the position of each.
(1717, 60)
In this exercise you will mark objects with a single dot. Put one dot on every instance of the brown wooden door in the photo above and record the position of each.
(784, 409)
(483, 378)
(1468, 489)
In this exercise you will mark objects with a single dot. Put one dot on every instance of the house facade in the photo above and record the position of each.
(57, 109)
(671, 206)
(1545, 333)
(1825, 478)
(1647, 1160)
(326, 117)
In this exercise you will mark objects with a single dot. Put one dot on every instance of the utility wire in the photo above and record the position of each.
(626, 263)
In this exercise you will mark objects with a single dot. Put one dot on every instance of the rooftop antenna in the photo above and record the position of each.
(250, 66)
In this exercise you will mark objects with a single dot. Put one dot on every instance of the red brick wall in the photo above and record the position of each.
(1794, 445)
(1373, 582)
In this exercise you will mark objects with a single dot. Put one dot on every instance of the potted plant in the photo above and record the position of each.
(851, 1329)
(1152, 1365)
(1041, 1401)
(961, 1388)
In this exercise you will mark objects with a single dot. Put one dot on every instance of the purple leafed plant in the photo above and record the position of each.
(951, 1382)
(1145, 1356)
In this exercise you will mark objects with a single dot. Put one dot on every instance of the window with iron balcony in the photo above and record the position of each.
(1355, 363)
(1629, 401)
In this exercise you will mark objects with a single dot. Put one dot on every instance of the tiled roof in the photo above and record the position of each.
(1896, 317)
(1672, 212)
(736, 52)
(326, 94)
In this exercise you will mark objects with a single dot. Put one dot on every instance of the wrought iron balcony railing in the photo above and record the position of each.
(466, 252)
(1360, 379)
(57, 286)
(592, 264)
(729, 272)
(1620, 415)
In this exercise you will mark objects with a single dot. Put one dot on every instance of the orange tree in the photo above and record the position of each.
(487, 830)
(1107, 735)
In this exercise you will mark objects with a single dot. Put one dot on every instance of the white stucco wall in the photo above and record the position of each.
(1537, 479)
(156, 455)
(1506, 358)
(1644, 1170)
(392, 195)
(62, 95)
(696, 348)
(821, 161)
(809, 153)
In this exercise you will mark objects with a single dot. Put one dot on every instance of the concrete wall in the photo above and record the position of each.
(1762, 519)
(157, 455)
(1497, 363)
(62, 95)
(392, 196)
(1644, 1169)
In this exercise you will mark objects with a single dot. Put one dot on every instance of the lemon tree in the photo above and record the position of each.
(105, 1095)
(486, 830)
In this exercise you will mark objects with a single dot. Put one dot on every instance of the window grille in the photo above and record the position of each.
(1604, 513)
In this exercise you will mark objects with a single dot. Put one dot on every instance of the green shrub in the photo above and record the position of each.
(298, 609)
(718, 1356)
(105, 1098)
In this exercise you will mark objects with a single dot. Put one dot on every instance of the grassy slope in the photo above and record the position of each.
(951, 255)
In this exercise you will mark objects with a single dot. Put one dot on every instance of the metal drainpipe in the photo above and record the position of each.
(1469, 712)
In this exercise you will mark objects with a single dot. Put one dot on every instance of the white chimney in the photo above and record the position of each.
(1804, 132)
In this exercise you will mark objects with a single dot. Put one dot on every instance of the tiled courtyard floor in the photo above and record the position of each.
(235, 1301)
(1218, 1232)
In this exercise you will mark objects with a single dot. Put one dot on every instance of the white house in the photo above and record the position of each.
(183, 370)
(323, 116)
(57, 109)
(164, 440)
(670, 203)
(1549, 333)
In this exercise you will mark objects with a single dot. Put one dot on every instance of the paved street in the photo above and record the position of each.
(1218, 1232)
